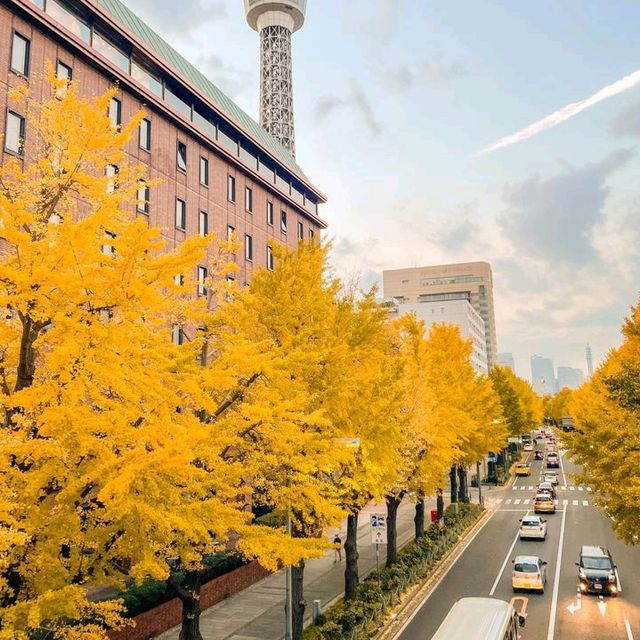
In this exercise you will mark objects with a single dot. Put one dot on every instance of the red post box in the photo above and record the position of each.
(434, 515)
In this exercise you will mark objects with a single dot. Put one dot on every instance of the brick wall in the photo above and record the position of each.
(160, 619)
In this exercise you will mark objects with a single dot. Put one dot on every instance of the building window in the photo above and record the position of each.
(270, 261)
(112, 183)
(283, 221)
(300, 231)
(203, 223)
(20, 50)
(248, 247)
(230, 231)
(178, 280)
(63, 71)
(231, 189)
(181, 214)
(143, 197)
(177, 337)
(270, 213)
(181, 156)
(312, 233)
(69, 20)
(14, 133)
(115, 112)
(144, 134)
(248, 199)
(204, 172)
(202, 280)
(110, 51)
(109, 249)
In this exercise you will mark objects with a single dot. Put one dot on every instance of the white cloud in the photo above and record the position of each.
(564, 114)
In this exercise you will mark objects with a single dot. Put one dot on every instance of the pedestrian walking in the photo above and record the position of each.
(338, 549)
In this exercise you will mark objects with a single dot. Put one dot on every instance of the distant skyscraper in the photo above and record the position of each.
(543, 377)
(276, 21)
(569, 377)
(589, 361)
(506, 360)
(471, 281)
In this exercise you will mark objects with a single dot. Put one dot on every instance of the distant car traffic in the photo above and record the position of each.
(529, 572)
(546, 487)
(528, 446)
(553, 460)
(522, 469)
(597, 571)
(544, 503)
(533, 527)
(551, 476)
(538, 455)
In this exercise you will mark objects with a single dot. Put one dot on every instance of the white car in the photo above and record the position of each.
(533, 527)
(551, 476)
(529, 572)
(528, 446)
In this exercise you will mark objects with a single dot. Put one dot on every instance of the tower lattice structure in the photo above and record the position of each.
(276, 21)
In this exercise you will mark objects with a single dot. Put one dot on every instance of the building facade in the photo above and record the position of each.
(543, 375)
(569, 377)
(506, 360)
(219, 171)
(471, 281)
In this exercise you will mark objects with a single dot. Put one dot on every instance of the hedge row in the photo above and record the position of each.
(416, 561)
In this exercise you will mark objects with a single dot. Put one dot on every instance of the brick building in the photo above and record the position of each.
(220, 170)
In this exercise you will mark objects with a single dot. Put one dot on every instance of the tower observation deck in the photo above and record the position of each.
(276, 21)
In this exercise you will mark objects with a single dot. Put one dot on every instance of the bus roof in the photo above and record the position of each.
(475, 619)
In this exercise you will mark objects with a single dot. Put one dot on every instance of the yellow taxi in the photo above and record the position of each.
(522, 469)
(544, 503)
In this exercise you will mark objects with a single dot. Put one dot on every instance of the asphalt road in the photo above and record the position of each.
(484, 569)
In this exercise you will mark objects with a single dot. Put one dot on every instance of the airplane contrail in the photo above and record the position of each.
(559, 116)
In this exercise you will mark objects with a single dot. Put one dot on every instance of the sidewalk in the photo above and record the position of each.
(257, 613)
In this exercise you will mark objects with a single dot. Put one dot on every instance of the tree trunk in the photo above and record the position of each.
(462, 484)
(392, 533)
(440, 504)
(453, 479)
(351, 557)
(419, 517)
(27, 360)
(298, 605)
(189, 594)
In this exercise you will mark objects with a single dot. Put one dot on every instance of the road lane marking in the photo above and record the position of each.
(627, 627)
(564, 477)
(517, 501)
(572, 488)
(556, 581)
(440, 579)
(530, 487)
(527, 501)
(589, 489)
(504, 564)
(574, 503)
(618, 580)
(499, 500)
(580, 489)
(585, 503)
(602, 605)
(565, 503)
(564, 487)
(508, 501)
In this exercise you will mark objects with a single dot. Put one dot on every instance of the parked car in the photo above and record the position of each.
(544, 503)
(538, 455)
(529, 572)
(546, 487)
(522, 469)
(597, 571)
(533, 527)
(551, 476)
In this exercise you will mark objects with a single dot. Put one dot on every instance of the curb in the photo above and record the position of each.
(414, 597)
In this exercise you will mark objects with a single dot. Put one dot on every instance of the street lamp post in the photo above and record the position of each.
(479, 483)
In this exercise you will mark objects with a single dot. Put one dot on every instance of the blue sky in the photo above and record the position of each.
(395, 98)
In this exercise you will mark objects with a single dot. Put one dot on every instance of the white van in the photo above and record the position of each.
(481, 619)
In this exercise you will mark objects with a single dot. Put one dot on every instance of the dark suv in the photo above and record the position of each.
(597, 571)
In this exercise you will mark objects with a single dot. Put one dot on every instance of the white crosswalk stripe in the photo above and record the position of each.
(508, 501)
(517, 501)
(580, 489)
(499, 500)
(530, 487)
(589, 489)
(565, 503)
(527, 501)
(585, 503)
(572, 488)
(574, 503)
(564, 487)
(556, 502)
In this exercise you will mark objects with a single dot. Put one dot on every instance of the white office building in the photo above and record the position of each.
(455, 312)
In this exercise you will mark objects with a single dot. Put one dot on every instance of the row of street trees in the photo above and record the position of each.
(126, 455)
(606, 410)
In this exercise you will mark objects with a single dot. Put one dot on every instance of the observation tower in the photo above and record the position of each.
(276, 21)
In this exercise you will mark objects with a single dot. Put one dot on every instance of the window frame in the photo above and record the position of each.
(204, 171)
(230, 230)
(203, 229)
(300, 230)
(283, 221)
(24, 73)
(270, 213)
(68, 67)
(148, 140)
(181, 145)
(22, 131)
(248, 199)
(203, 273)
(231, 188)
(118, 122)
(248, 247)
(144, 208)
(270, 258)
(183, 214)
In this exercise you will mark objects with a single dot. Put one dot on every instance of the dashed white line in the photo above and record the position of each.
(627, 627)
(556, 582)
